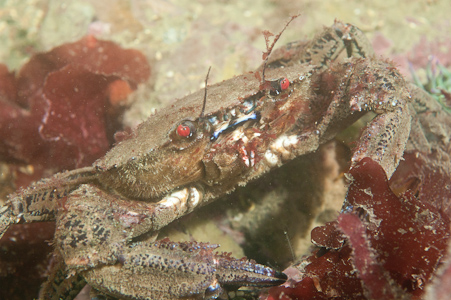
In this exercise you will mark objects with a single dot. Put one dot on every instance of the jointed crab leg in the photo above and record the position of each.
(59, 285)
(339, 40)
(89, 232)
(101, 249)
(150, 269)
(361, 84)
(39, 201)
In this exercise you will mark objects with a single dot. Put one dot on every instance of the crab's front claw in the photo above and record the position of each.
(171, 270)
(233, 272)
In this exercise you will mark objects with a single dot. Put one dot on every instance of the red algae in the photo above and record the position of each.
(364, 257)
(59, 112)
(24, 257)
(54, 113)
(391, 245)
(425, 176)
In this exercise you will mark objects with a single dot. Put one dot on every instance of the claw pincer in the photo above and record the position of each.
(232, 272)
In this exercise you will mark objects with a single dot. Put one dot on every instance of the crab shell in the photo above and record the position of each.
(153, 161)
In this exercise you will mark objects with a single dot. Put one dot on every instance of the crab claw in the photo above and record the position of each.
(171, 270)
(232, 273)
(243, 272)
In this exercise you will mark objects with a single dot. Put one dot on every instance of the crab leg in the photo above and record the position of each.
(59, 285)
(39, 201)
(98, 239)
(171, 270)
(333, 42)
(359, 85)
(88, 232)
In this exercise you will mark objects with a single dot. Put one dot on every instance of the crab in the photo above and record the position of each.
(201, 148)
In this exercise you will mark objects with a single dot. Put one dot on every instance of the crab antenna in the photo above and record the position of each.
(205, 95)
(290, 246)
(269, 48)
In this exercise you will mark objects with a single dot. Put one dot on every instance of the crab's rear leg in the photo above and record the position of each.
(59, 284)
(340, 40)
(5, 219)
(431, 130)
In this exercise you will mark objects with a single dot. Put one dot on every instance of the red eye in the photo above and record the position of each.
(284, 83)
(185, 129)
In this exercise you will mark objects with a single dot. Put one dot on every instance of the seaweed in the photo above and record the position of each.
(60, 111)
(391, 246)
(54, 113)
